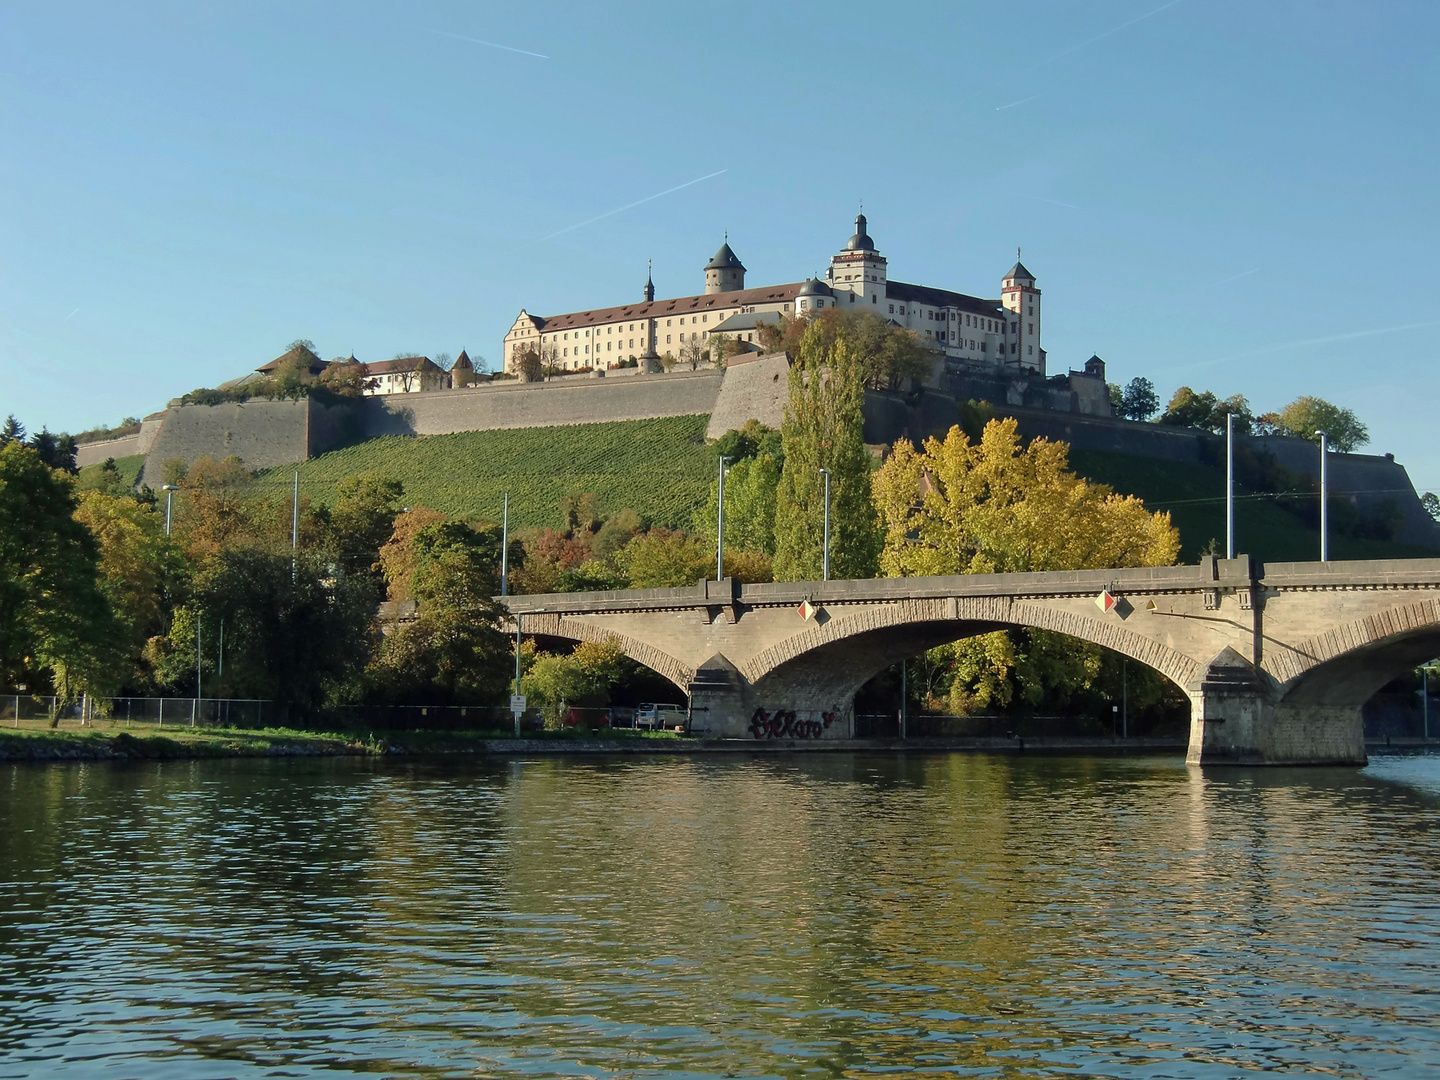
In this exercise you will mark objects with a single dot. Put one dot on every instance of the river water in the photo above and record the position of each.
(819, 916)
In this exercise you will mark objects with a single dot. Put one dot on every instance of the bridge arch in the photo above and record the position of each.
(1349, 663)
(934, 622)
(642, 652)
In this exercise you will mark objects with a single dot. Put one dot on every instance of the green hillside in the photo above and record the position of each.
(129, 468)
(663, 470)
(1195, 497)
(659, 468)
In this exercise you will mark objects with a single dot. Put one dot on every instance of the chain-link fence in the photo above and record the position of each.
(39, 712)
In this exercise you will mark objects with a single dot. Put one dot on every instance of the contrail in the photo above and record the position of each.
(1101, 37)
(1237, 277)
(70, 316)
(1012, 104)
(1057, 202)
(631, 206)
(1352, 336)
(492, 44)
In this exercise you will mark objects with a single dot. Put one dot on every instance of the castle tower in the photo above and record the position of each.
(649, 285)
(813, 296)
(1019, 296)
(725, 272)
(858, 270)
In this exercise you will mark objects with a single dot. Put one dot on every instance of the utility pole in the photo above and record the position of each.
(169, 490)
(195, 715)
(1324, 496)
(294, 523)
(505, 547)
(1229, 485)
(720, 527)
(825, 576)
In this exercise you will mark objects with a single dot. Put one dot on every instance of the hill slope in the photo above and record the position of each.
(663, 470)
(659, 468)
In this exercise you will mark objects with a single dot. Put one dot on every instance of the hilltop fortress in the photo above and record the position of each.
(968, 331)
(606, 365)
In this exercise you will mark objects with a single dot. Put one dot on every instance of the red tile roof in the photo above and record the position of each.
(684, 305)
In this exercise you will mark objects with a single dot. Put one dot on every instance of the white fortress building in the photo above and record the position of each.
(972, 334)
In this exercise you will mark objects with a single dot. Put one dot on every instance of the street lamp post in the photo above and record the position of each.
(505, 547)
(825, 557)
(169, 490)
(1229, 485)
(720, 526)
(1324, 496)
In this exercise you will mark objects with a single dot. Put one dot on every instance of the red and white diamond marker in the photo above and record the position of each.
(808, 610)
(1105, 602)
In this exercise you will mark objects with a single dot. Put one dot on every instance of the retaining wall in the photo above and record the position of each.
(570, 400)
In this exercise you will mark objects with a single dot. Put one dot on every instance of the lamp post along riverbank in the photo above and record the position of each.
(825, 551)
(1324, 496)
(720, 525)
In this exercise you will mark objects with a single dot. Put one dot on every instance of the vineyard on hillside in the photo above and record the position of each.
(659, 468)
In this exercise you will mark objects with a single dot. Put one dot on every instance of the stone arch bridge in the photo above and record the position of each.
(1276, 660)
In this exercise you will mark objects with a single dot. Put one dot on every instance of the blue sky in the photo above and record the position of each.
(1236, 196)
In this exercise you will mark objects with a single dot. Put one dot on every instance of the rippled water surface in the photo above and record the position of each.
(821, 916)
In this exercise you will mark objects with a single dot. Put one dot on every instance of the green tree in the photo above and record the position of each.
(298, 633)
(665, 559)
(1306, 416)
(55, 623)
(581, 680)
(824, 428)
(1139, 400)
(1189, 409)
(363, 519)
(455, 651)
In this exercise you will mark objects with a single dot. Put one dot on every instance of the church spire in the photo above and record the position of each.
(649, 283)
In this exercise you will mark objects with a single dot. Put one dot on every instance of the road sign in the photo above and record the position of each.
(517, 703)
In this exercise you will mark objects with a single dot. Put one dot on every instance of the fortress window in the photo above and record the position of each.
(892, 309)
(667, 339)
(667, 323)
(874, 299)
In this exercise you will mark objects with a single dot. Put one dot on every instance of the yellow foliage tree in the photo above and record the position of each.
(998, 506)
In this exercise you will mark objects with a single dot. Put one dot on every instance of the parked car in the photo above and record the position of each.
(656, 716)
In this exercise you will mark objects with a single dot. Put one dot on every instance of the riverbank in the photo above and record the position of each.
(175, 744)
(195, 743)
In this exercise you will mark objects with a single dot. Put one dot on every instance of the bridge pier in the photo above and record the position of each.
(1237, 717)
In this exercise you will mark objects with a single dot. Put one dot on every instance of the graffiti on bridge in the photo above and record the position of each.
(784, 724)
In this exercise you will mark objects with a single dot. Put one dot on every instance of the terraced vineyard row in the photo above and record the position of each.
(659, 468)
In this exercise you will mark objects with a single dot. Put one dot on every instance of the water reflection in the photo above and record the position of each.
(829, 915)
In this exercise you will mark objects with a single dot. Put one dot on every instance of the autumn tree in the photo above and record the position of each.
(998, 506)
(581, 680)
(1306, 416)
(56, 624)
(823, 428)
(455, 651)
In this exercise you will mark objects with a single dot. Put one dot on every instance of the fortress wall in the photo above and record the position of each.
(511, 404)
(92, 453)
(757, 389)
(259, 433)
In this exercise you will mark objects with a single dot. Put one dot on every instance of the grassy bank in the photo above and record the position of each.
(128, 467)
(148, 742)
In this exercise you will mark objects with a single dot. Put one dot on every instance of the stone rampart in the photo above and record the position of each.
(755, 388)
(259, 433)
(562, 401)
(92, 453)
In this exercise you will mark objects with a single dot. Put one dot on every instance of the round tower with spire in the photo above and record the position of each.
(725, 272)
(1021, 298)
(858, 270)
